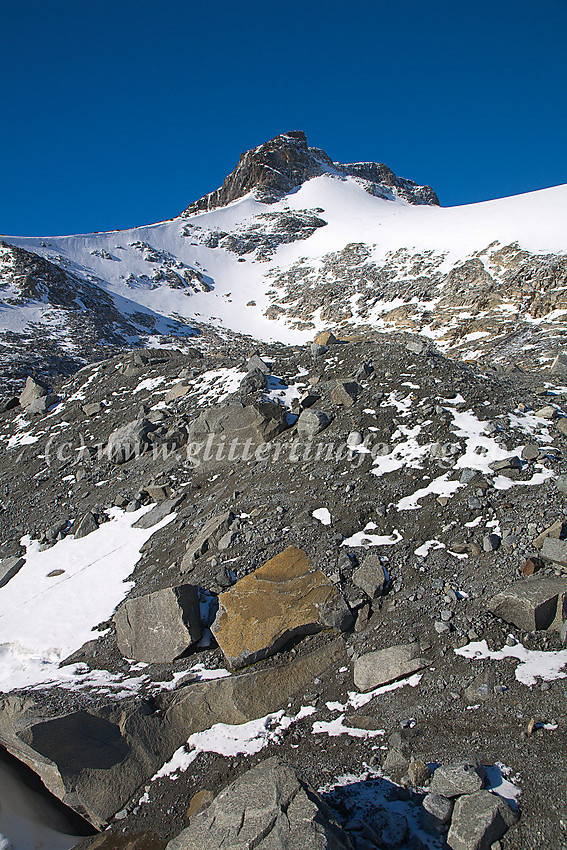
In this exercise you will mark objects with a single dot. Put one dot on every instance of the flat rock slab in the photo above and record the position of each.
(278, 601)
(386, 665)
(478, 821)
(159, 512)
(209, 535)
(533, 603)
(160, 626)
(555, 551)
(9, 567)
(246, 696)
(258, 422)
(452, 780)
(270, 807)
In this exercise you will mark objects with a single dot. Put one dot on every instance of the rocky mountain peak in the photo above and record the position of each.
(286, 161)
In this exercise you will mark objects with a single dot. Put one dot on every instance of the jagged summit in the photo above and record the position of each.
(286, 161)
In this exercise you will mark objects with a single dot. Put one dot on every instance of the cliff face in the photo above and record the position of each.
(286, 161)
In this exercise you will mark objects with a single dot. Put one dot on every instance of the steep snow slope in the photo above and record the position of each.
(129, 263)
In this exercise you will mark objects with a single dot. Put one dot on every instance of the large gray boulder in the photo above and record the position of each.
(256, 363)
(312, 422)
(555, 550)
(40, 406)
(259, 422)
(129, 441)
(159, 626)
(479, 820)
(270, 807)
(32, 391)
(96, 759)
(533, 603)
(386, 665)
(452, 780)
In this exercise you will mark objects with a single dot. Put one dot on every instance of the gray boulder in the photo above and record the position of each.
(86, 525)
(479, 820)
(312, 422)
(533, 603)
(40, 406)
(386, 665)
(437, 811)
(452, 780)
(259, 422)
(370, 576)
(158, 512)
(270, 807)
(128, 441)
(559, 365)
(32, 391)
(256, 364)
(317, 350)
(253, 381)
(418, 346)
(158, 627)
(345, 393)
(555, 551)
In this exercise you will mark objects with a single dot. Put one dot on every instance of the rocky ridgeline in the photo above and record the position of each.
(354, 554)
(286, 161)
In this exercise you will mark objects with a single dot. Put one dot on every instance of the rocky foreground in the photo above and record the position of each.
(289, 597)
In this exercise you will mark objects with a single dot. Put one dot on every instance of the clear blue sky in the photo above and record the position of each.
(116, 113)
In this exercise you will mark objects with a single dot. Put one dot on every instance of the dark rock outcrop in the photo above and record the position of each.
(286, 161)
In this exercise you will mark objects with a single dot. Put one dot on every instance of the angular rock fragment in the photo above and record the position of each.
(91, 408)
(312, 422)
(128, 441)
(270, 807)
(370, 576)
(555, 551)
(278, 601)
(39, 406)
(437, 810)
(345, 393)
(211, 532)
(255, 363)
(386, 665)
(533, 603)
(479, 820)
(325, 338)
(452, 780)
(259, 422)
(9, 567)
(160, 626)
(32, 391)
(86, 525)
(253, 381)
(177, 391)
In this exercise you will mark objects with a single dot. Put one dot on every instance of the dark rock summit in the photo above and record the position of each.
(286, 161)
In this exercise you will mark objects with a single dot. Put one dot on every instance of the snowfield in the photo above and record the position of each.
(123, 262)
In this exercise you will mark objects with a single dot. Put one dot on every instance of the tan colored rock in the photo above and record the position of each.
(280, 600)
(177, 391)
(553, 531)
(386, 665)
(325, 338)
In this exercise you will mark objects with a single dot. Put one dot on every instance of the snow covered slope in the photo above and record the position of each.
(338, 250)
